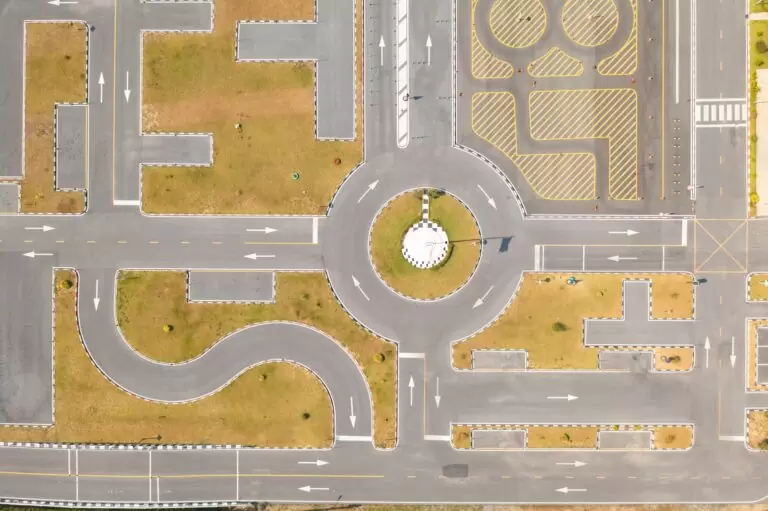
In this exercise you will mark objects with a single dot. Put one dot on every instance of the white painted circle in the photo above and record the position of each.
(425, 244)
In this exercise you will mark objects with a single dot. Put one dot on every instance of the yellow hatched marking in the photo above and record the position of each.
(593, 113)
(559, 176)
(484, 65)
(555, 63)
(590, 22)
(624, 61)
(518, 23)
(721, 248)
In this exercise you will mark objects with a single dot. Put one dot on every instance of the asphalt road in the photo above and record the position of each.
(520, 232)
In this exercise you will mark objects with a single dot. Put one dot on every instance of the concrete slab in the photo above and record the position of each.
(762, 141)
(500, 359)
(9, 197)
(624, 440)
(186, 150)
(330, 42)
(498, 439)
(26, 361)
(234, 286)
(71, 146)
(632, 361)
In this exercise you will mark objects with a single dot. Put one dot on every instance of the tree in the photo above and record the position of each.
(559, 326)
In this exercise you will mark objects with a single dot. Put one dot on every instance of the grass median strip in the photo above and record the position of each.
(261, 115)
(546, 317)
(156, 319)
(387, 237)
(285, 405)
(55, 73)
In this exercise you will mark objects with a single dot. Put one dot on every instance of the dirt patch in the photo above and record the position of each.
(561, 437)
(757, 429)
(193, 84)
(673, 359)
(756, 290)
(546, 316)
(55, 73)
(672, 437)
(288, 406)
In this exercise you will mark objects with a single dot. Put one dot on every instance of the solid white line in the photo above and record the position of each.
(157, 487)
(438, 438)
(410, 355)
(684, 239)
(149, 480)
(314, 230)
(677, 51)
(731, 438)
(536, 257)
(583, 258)
(120, 202)
(69, 462)
(721, 100)
(353, 438)
(237, 474)
(723, 125)
(77, 476)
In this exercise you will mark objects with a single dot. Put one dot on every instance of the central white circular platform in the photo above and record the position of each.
(425, 244)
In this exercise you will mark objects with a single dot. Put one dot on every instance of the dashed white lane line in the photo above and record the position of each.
(684, 240)
(315, 222)
(437, 438)
(354, 438)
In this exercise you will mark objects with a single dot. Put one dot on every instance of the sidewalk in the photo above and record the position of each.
(761, 147)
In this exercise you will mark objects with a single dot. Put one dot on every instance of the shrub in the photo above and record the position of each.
(167, 328)
(670, 438)
(305, 416)
(761, 47)
(763, 445)
(379, 357)
(559, 326)
(65, 284)
(754, 198)
(567, 437)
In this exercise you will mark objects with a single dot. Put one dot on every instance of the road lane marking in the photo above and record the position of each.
(125, 202)
(354, 438)
(314, 230)
(677, 51)
(437, 438)
(411, 355)
(684, 238)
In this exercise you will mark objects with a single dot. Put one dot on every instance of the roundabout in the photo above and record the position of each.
(424, 244)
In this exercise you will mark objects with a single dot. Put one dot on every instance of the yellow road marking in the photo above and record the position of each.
(590, 23)
(518, 23)
(555, 64)
(483, 63)
(624, 61)
(721, 245)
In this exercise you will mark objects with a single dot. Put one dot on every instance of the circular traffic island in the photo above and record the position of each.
(425, 244)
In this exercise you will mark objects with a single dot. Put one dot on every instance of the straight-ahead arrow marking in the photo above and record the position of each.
(628, 232)
(429, 50)
(101, 87)
(318, 463)
(707, 346)
(96, 299)
(312, 488)
(352, 416)
(411, 385)
(266, 230)
(382, 44)
(127, 90)
(565, 489)
(618, 258)
(488, 197)
(576, 464)
(564, 398)
(438, 397)
(61, 2)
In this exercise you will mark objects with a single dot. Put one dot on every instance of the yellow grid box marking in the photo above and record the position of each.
(593, 113)
(558, 176)
(518, 23)
(590, 22)
(555, 63)
(624, 61)
(485, 66)
(720, 245)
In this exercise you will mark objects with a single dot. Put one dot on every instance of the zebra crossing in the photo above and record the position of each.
(721, 113)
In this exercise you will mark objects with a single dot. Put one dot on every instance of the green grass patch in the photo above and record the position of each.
(386, 245)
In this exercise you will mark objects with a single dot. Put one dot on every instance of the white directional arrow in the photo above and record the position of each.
(357, 285)
(44, 228)
(481, 300)
(565, 489)
(381, 49)
(318, 463)
(259, 256)
(410, 386)
(61, 2)
(618, 258)
(352, 416)
(34, 254)
(564, 398)
(429, 50)
(490, 201)
(312, 488)
(733, 352)
(576, 464)
(370, 188)
(438, 397)
(266, 230)
(96, 299)
(707, 347)
(101, 87)
(628, 232)
(127, 90)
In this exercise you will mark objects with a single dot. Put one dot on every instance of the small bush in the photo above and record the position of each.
(167, 328)
(379, 357)
(305, 416)
(761, 47)
(559, 326)
(670, 438)
(65, 284)
(763, 445)
(754, 198)
(567, 437)
(615, 427)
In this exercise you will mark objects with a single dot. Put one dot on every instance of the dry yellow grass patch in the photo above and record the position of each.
(757, 429)
(387, 244)
(193, 84)
(149, 300)
(546, 317)
(680, 359)
(461, 436)
(672, 437)
(562, 437)
(756, 290)
(264, 407)
(752, 327)
(55, 73)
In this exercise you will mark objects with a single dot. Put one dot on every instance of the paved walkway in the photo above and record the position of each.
(761, 147)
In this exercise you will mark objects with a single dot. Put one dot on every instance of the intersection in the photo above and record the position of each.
(677, 184)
